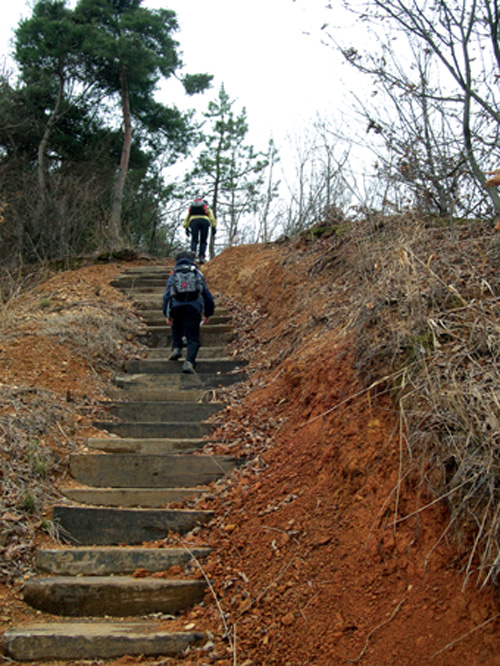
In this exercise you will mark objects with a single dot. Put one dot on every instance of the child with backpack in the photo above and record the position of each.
(186, 300)
(198, 221)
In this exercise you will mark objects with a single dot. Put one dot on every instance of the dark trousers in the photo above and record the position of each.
(199, 232)
(186, 324)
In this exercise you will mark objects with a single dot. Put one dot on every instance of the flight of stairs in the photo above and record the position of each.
(120, 500)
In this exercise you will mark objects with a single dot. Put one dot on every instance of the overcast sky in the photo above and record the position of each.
(268, 54)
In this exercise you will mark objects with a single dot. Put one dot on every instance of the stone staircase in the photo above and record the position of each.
(126, 483)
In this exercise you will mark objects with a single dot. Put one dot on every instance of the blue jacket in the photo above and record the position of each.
(204, 303)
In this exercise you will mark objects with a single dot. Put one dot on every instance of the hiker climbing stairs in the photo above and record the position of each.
(120, 498)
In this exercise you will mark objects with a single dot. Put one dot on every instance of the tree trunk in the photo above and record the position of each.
(115, 230)
(469, 150)
(42, 147)
(211, 245)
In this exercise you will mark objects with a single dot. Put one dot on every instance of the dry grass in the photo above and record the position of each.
(95, 332)
(39, 428)
(32, 424)
(425, 307)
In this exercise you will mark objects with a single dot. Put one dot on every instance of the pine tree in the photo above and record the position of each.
(228, 168)
(128, 48)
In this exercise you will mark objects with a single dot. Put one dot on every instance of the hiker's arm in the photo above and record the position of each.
(166, 303)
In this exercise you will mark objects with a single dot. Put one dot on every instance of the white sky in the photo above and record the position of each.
(259, 51)
(268, 54)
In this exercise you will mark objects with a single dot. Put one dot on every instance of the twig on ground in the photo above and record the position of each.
(212, 591)
(463, 636)
(438, 499)
(340, 404)
(361, 654)
(276, 579)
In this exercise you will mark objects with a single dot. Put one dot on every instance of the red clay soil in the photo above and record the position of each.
(321, 555)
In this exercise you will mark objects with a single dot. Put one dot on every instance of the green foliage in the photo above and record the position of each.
(196, 83)
(58, 131)
(28, 502)
(324, 230)
(420, 345)
(145, 214)
(125, 37)
(228, 167)
(48, 43)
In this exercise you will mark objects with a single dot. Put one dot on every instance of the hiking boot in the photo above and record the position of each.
(175, 355)
(188, 368)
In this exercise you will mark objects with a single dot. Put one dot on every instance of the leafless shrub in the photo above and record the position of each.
(16, 279)
(68, 223)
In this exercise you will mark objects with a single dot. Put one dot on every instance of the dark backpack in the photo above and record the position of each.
(198, 207)
(186, 283)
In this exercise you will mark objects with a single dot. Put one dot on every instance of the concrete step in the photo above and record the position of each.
(148, 269)
(122, 596)
(154, 301)
(96, 640)
(209, 329)
(154, 291)
(165, 367)
(154, 317)
(125, 470)
(216, 335)
(145, 446)
(147, 498)
(179, 381)
(155, 430)
(204, 353)
(120, 506)
(133, 292)
(161, 394)
(162, 412)
(127, 282)
(99, 526)
(111, 560)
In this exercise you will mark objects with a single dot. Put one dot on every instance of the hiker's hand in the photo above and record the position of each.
(206, 320)
(169, 321)
(188, 231)
(214, 231)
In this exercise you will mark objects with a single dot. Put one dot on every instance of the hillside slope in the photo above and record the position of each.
(325, 552)
(328, 549)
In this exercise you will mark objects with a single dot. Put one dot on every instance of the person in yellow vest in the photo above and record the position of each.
(197, 223)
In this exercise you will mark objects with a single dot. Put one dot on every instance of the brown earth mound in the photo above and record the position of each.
(325, 552)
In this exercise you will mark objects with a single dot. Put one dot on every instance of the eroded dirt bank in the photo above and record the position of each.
(322, 552)
(318, 561)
